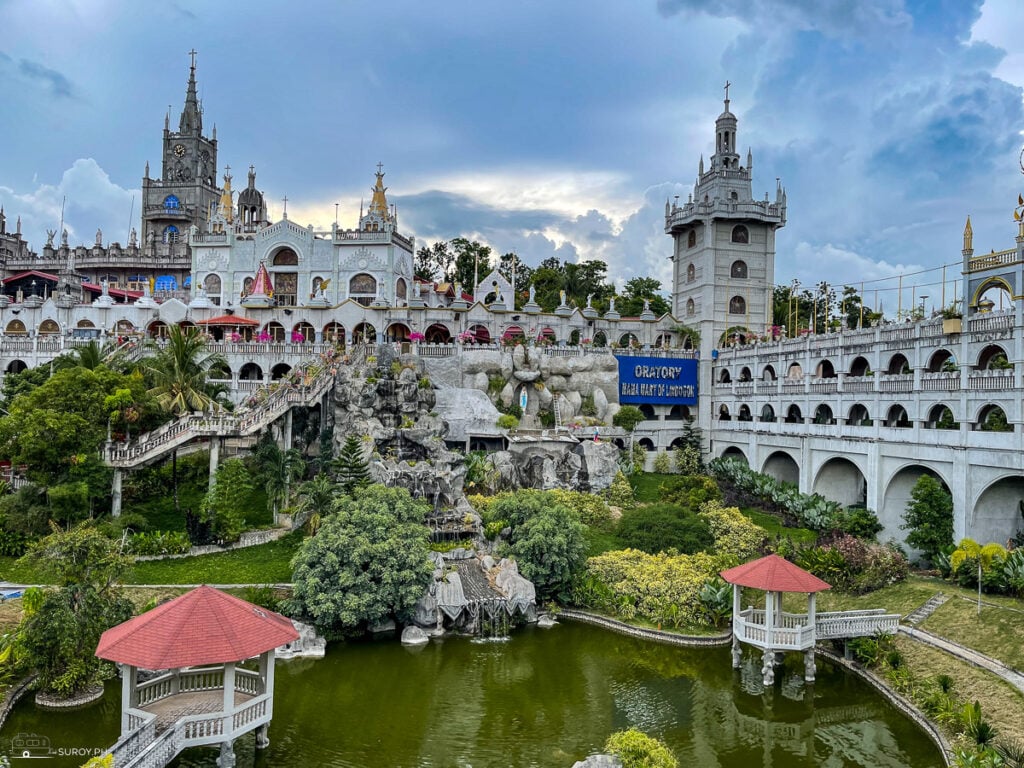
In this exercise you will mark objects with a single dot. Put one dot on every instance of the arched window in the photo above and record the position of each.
(691, 309)
(740, 234)
(171, 203)
(400, 289)
(737, 305)
(734, 196)
(212, 285)
(691, 239)
(170, 234)
(767, 414)
(286, 258)
(739, 270)
(691, 273)
(363, 284)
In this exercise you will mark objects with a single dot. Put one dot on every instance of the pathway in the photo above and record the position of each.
(977, 659)
(918, 615)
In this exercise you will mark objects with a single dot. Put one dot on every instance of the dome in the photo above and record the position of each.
(250, 197)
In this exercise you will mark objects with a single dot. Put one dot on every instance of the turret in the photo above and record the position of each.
(191, 122)
(968, 250)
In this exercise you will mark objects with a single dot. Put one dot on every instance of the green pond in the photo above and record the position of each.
(543, 698)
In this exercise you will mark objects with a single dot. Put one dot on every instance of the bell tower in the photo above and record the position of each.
(186, 192)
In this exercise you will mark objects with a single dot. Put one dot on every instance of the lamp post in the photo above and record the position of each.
(924, 296)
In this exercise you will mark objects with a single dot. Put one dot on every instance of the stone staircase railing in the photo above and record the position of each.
(153, 445)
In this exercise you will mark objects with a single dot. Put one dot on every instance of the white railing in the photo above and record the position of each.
(793, 631)
(839, 624)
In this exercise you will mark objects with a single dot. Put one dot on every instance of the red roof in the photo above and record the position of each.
(774, 574)
(204, 626)
(228, 320)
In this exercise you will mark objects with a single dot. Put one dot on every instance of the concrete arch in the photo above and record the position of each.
(334, 332)
(994, 411)
(989, 355)
(648, 411)
(898, 418)
(646, 443)
(723, 376)
(825, 370)
(16, 366)
(723, 413)
(250, 372)
(938, 419)
(364, 333)
(987, 284)
(898, 363)
(860, 366)
(794, 372)
(397, 332)
(49, 327)
(767, 414)
(897, 495)
(996, 514)
(279, 371)
(842, 481)
(823, 414)
(745, 374)
(305, 329)
(732, 452)
(744, 413)
(937, 362)
(768, 374)
(220, 371)
(859, 416)
(438, 333)
(782, 467)
(793, 415)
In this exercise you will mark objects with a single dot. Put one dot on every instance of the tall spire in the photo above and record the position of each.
(968, 237)
(191, 117)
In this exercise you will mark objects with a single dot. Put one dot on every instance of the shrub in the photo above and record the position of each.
(507, 421)
(587, 408)
(811, 511)
(659, 588)
(159, 543)
(859, 522)
(590, 508)
(716, 602)
(690, 491)
(637, 459)
(638, 750)
(546, 417)
(734, 534)
(661, 527)
(929, 517)
(854, 565)
(627, 417)
(688, 460)
(662, 463)
(550, 548)
(620, 492)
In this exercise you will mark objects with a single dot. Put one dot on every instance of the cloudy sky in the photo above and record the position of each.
(540, 127)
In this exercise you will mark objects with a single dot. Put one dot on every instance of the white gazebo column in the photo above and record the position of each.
(227, 753)
(266, 672)
(127, 695)
(768, 655)
(737, 654)
(809, 668)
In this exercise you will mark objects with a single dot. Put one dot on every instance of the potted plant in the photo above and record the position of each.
(952, 318)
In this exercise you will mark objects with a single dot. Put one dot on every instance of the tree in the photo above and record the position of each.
(369, 561)
(315, 499)
(350, 468)
(929, 517)
(225, 504)
(472, 260)
(435, 261)
(426, 265)
(278, 470)
(178, 373)
(61, 636)
(631, 304)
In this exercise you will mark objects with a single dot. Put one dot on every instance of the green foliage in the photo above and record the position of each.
(351, 470)
(638, 750)
(495, 384)
(620, 492)
(716, 602)
(813, 511)
(546, 417)
(690, 490)
(13, 543)
(929, 517)
(588, 408)
(589, 508)
(636, 461)
(494, 528)
(860, 522)
(25, 511)
(276, 470)
(662, 588)
(549, 545)
(507, 421)
(263, 595)
(735, 535)
(662, 463)
(69, 502)
(995, 421)
(100, 762)
(480, 472)
(159, 543)
(225, 504)
(179, 373)
(315, 499)
(854, 565)
(369, 561)
(662, 527)
(627, 417)
(61, 636)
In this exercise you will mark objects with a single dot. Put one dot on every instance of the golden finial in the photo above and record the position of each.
(968, 236)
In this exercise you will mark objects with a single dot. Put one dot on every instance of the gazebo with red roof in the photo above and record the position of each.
(772, 629)
(202, 696)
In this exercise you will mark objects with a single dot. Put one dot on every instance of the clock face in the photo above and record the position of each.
(179, 150)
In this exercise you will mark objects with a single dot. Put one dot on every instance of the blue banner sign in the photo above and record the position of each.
(657, 381)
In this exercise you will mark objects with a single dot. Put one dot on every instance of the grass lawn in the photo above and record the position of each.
(647, 486)
(263, 564)
(599, 542)
(774, 526)
(899, 598)
(997, 632)
(159, 511)
(1001, 703)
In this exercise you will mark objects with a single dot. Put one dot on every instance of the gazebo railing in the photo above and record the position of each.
(194, 681)
(788, 634)
(840, 624)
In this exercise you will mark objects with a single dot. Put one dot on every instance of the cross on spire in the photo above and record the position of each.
(380, 167)
(285, 201)
(727, 84)
(192, 54)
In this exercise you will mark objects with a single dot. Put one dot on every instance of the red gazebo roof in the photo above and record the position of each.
(774, 574)
(204, 626)
(229, 320)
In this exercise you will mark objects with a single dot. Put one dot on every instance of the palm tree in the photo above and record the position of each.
(90, 356)
(316, 497)
(279, 468)
(178, 372)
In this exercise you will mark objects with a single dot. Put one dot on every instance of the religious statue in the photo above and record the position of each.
(561, 298)
(533, 293)
(103, 283)
(151, 237)
(647, 305)
(99, 238)
(64, 238)
(50, 234)
(416, 288)
(589, 297)
(133, 238)
(611, 304)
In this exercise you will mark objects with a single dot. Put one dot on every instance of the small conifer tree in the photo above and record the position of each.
(350, 468)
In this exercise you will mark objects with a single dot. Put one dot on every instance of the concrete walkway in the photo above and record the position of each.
(1010, 675)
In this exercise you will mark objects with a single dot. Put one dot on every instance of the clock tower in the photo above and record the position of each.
(186, 193)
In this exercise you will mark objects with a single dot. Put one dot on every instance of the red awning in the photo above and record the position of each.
(204, 626)
(229, 320)
(774, 574)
